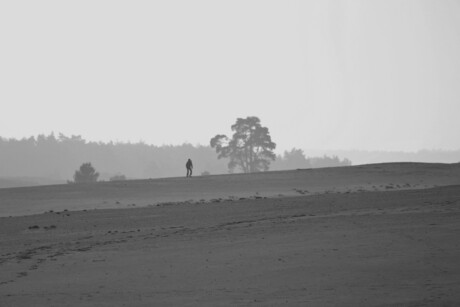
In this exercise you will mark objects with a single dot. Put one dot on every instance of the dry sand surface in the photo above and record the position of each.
(375, 235)
(135, 193)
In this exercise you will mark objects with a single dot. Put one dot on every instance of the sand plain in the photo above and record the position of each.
(374, 235)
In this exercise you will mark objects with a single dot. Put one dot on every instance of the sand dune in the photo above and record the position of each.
(390, 176)
(375, 235)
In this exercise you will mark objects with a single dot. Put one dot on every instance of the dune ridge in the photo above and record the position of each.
(123, 194)
(372, 241)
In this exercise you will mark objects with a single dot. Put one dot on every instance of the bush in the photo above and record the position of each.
(205, 173)
(86, 174)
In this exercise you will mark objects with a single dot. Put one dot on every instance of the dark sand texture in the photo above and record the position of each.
(389, 176)
(355, 245)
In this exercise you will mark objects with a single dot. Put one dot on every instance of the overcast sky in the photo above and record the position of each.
(374, 75)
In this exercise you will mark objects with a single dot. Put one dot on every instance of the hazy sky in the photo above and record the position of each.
(319, 74)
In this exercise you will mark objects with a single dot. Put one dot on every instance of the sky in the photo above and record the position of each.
(365, 75)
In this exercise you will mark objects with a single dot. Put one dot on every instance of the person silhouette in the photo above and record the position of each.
(189, 166)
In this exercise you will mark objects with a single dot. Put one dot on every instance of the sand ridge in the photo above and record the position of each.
(373, 177)
(341, 248)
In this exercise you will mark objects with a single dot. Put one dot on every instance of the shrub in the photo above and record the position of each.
(86, 174)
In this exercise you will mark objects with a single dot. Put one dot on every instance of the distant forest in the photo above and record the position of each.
(367, 157)
(50, 159)
(47, 159)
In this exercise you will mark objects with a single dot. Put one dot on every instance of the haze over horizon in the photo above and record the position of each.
(380, 75)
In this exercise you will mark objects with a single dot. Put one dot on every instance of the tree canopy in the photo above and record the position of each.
(86, 174)
(250, 148)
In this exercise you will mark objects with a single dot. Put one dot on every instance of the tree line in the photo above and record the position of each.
(249, 149)
(57, 157)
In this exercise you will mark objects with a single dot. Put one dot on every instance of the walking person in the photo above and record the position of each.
(189, 166)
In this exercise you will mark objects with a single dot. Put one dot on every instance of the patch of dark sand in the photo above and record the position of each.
(366, 248)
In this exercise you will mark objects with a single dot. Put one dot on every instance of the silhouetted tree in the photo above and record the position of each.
(85, 174)
(250, 148)
(295, 159)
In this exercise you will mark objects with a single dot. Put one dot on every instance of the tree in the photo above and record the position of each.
(86, 174)
(250, 148)
(293, 159)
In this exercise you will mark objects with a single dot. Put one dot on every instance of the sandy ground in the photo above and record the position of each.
(373, 177)
(385, 237)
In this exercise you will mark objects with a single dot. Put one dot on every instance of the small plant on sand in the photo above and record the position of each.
(205, 173)
(86, 174)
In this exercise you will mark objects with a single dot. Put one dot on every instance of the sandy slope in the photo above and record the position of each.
(33, 200)
(363, 248)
